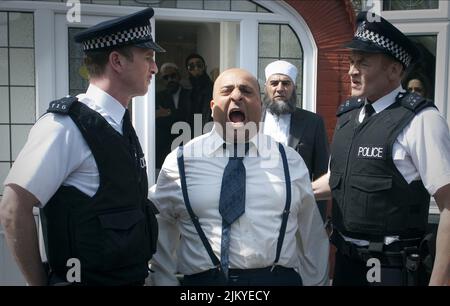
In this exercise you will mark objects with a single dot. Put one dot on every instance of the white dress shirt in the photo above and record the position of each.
(56, 153)
(176, 97)
(421, 150)
(254, 235)
(277, 127)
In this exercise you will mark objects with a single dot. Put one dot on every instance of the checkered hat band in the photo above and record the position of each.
(385, 43)
(117, 38)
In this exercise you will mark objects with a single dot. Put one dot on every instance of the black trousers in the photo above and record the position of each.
(353, 272)
(280, 276)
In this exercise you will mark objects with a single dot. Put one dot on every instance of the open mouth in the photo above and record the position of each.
(236, 116)
(355, 83)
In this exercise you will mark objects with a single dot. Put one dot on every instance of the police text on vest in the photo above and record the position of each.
(371, 152)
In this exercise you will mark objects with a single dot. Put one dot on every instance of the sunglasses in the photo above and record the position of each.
(171, 76)
(192, 66)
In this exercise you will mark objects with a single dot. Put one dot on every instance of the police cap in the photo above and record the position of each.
(134, 29)
(377, 35)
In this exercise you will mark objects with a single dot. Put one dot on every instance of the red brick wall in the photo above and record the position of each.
(332, 24)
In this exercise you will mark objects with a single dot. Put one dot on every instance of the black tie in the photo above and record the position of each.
(369, 111)
(231, 203)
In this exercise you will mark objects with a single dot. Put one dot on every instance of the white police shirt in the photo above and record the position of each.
(421, 151)
(56, 153)
(254, 235)
(277, 127)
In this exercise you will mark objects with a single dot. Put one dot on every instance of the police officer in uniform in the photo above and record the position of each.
(83, 166)
(389, 154)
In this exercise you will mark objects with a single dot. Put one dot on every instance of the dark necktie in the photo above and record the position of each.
(231, 203)
(369, 111)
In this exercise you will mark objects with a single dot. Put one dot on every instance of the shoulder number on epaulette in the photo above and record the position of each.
(413, 101)
(350, 104)
(61, 106)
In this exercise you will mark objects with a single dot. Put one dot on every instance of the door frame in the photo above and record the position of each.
(52, 50)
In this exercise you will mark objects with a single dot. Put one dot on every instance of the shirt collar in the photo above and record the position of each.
(109, 104)
(282, 117)
(386, 101)
(214, 142)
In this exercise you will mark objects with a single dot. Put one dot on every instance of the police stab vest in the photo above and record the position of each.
(112, 234)
(371, 199)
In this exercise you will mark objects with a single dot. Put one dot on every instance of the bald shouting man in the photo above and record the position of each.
(225, 193)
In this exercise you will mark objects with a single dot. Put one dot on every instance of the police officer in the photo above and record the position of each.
(83, 166)
(389, 154)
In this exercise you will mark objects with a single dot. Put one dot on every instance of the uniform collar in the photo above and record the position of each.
(386, 101)
(106, 102)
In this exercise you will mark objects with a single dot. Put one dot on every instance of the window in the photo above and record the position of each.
(17, 85)
(78, 74)
(216, 5)
(395, 5)
(275, 42)
(424, 71)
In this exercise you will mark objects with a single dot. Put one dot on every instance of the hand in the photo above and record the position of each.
(163, 112)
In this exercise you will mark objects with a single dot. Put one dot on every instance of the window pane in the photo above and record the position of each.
(78, 75)
(269, 40)
(290, 45)
(393, 5)
(262, 10)
(130, 3)
(217, 5)
(19, 135)
(272, 47)
(243, 6)
(3, 30)
(107, 2)
(163, 3)
(4, 66)
(4, 169)
(262, 63)
(4, 148)
(21, 30)
(4, 105)
(23, 105)
(190, 4)
(423, 72)
(22, 67)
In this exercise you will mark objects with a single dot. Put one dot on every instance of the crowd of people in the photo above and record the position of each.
(243, 203)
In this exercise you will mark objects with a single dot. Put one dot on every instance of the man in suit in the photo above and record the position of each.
(173, 104)
(286, 123)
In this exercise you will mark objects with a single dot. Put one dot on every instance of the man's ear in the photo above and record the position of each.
(116, 61)
(396, 70)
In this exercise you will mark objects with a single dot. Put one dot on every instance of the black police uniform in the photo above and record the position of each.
(113, 234)
(371, 198)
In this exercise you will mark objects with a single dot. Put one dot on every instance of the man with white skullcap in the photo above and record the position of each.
(286, 123)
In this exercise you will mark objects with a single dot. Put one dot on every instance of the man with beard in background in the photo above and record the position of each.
(290, 125)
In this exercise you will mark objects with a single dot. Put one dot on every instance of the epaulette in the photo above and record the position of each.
(413, 101)
(61, 106)
(349, 104)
